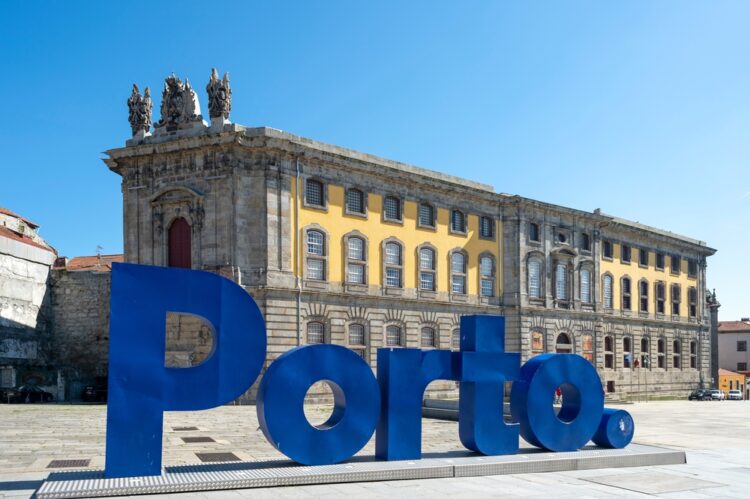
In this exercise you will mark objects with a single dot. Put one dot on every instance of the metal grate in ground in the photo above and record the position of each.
(197, 440)
(69, 463)
(216, 457)
(185, 428)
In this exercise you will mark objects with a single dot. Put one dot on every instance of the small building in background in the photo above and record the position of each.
(734, 338)
(730, 380)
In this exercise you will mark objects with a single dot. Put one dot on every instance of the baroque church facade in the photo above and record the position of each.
(337, 246)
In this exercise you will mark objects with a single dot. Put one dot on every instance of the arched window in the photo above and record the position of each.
(675, 299)
(561, 281)
(563, 344)
(626, 293)
(537, 343)
(643, 295)
(456, 339)
(393, 337)
(316, 255)
(587, 347)
(458, 273)
(315, 332)
(645, 359)
(607, 291)
(487, 275)
(355, 202)
(427, 335)
(676, 354)
(179, 250)
(427, 269)
(394, 263)
(356, 260)
(357, 339)
(627, 351)
(585, 286)
(535, 278)
(694, 354)
(661, 362)
(609, 353)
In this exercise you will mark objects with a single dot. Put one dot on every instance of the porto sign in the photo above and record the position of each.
(141, 388)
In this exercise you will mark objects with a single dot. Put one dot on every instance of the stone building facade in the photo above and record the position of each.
(338, 246)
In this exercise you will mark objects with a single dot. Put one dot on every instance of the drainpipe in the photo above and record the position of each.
(297, 251)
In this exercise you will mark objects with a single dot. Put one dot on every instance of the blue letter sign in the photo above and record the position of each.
(141, 388)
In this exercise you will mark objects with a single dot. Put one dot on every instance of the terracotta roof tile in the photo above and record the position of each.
(727, 372)
(733, 326)
(101, 263)
(6, 232)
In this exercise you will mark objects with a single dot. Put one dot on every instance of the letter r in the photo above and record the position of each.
(141, 388)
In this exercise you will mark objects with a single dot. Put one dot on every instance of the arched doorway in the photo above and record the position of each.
(179, 245)
(563, 344)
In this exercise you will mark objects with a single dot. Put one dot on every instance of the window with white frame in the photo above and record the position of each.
(356, 260)
(393, 336)
(535, 278)
(585, 286)
(427, 337)
(561, 281)
(487, 275)
(458, 221)
(316, 332)
(427, 269)
(458, 273)
(316, 255)
(426, 215)
(393, 265)
(315, 193)
(607, 292)
(392, 208)
(355, 201)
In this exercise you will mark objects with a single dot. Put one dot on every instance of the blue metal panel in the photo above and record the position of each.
(141, 388)
(403, 375)
(532, 397)
(483, 371)
(616, 429)
(281, 397)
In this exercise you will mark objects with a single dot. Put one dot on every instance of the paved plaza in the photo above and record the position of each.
(715, 435)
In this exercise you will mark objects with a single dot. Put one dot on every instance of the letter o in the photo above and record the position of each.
(616, 429)
(532, 398)
(356, 404)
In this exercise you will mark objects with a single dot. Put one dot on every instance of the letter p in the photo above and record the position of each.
(141, 388)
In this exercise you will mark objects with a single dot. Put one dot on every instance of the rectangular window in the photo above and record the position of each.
(392, 208)
(458, 284)
(586, 286)
(742, 346)
(660, 297)
(643, 291)
(486, 227)
(314, 193)
(561, 282)
(742, 366)
(607, 249)
(533, 231)
(585, 242)
(626, 290)
(643, 257)
(675, 299)
(356, 274)
(316, 270)
(458, 221)
(692, 268)
(427, 281)
(674, 264)
(607, 291)
(355, 201)
(488, 287)
(625, 255)
(660, 261)
(534, 271)
(393, 277)
(426, 215)
(7, 377)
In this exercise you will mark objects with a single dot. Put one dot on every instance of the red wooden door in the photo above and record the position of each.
(179, 244)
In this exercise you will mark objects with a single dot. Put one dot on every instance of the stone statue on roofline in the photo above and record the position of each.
(179, 106)
(219, 98)
(139, 111)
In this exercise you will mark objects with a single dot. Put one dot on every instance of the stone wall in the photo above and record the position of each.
(80, 327)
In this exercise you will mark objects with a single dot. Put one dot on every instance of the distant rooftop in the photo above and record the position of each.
(99, 263)
(742, 325)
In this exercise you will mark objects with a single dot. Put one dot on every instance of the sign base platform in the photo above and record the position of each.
(282, 472)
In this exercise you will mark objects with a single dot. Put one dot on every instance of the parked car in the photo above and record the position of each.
(734, 395)
(700, 395)
(717, 395)
(27, 394)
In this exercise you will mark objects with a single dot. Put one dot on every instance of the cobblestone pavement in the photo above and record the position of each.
(716, 436)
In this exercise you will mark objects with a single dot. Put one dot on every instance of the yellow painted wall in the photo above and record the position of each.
(737, 382)
(338, 223)
(636, 273)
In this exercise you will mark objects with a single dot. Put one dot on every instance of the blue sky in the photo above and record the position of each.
(639, 108)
